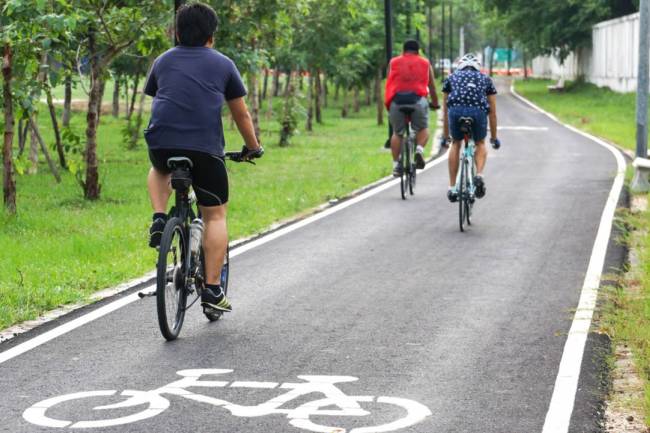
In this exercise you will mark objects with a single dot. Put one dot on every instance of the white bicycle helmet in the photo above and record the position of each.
(469, 61)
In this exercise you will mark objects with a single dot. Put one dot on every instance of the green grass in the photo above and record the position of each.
(60, 248)
(626, 313)
(598, 111)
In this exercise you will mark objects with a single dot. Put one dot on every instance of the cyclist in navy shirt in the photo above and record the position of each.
(469, 93)
(190, 84)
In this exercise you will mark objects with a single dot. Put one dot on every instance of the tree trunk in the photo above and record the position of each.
(336, 93)
(524, 58)
(55, 126)
(287, 83)
(378, 98)
(301, 81)
(33, 152)
(125, 84)
(288, 115)
(8, 181)
(344, 109)
(46, 153)
(265, 86)
(91, 183)
(357, 100)
(67, 102)
(276, 82)
(116, 97)
(369, 93)
(325, 92)
(138, 122)
(491, 59)
(318, 91)
(22, 136)
(310, 104)
(136, 82)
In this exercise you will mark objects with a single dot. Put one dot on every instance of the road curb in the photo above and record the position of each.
(150, 277)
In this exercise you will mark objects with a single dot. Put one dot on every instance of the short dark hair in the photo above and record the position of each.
(412, 45)
(195, 23)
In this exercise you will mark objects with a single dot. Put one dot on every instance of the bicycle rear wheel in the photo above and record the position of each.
(412, 168)
(225, 273)
(404, 176)
(462, 192)
(171, 292)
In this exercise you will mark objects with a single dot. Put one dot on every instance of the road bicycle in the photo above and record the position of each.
(408, 172)
(466, 172)
(180, 269)
(294, 403)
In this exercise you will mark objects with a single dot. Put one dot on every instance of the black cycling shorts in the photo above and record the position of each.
(209, 176)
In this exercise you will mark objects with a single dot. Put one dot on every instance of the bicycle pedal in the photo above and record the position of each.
(146, 294)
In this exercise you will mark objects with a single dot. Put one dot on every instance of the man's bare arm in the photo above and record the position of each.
(432, 87)
(492, 100)
(244, 122)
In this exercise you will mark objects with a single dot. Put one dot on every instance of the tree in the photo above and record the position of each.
(108, 28)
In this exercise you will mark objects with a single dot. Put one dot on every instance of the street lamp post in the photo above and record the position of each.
(442, 42)
(641, 164)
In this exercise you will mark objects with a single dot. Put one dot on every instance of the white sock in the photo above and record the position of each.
(419, 149)
(395, 164)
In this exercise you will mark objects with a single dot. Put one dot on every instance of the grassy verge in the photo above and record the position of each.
(598, 111)
(626, 312)
(59, 248)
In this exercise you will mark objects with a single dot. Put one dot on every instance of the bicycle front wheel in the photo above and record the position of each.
(171, 291)
(412, 168)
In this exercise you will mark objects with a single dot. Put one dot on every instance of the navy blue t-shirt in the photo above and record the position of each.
(189, 86)
(469, 88)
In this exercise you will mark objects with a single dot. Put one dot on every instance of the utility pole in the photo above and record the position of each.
(442, 42)
(461, 44)
(388, 24)
(177, 4)
(642, 166)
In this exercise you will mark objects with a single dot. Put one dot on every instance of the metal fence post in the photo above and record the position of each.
(640, 181)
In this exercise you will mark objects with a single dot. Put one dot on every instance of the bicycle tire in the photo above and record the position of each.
(213, 316)
(404, 175)
(171, 307)
(461, 195)
(412, 168)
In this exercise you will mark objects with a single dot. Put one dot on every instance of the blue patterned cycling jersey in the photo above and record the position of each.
(469, 88)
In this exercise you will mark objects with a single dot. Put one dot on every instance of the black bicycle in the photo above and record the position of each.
(408, 172)
(181, 268)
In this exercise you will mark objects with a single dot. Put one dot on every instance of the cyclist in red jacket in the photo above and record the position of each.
(410, 81)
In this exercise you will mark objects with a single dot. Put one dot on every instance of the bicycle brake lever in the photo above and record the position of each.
(250, 161)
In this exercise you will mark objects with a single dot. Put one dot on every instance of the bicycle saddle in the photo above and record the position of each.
(407, 110)
(466, 124)
(181, 176)
(181, 162)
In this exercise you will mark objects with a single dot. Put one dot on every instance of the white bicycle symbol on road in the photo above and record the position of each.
(299, 417)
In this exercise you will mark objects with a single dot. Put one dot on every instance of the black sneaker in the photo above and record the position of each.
(397, 171)
(156, 231)
(215, 301)
(479, 183)
(452, 195)
(419, 160)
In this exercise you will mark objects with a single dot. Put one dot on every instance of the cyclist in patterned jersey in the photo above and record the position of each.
(410, 81)
(469, 93)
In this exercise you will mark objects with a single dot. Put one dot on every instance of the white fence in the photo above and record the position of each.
(611, 61)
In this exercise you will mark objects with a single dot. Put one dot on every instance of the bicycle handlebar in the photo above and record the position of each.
(245, 155)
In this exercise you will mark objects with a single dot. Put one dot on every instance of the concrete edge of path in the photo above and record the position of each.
(558, 417)
(102, 300)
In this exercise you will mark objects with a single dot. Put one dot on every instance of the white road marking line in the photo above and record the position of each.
(558, 417)
(115, 305)
(261, 385)
(522, 128)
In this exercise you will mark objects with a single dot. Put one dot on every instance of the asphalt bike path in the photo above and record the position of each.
(443, 331)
